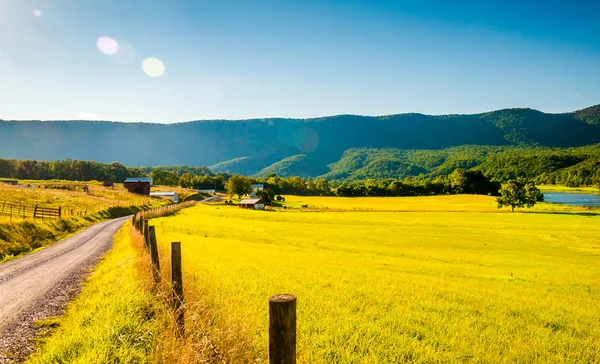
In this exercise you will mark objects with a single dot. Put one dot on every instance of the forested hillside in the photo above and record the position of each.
(258, 146)
(569, 166)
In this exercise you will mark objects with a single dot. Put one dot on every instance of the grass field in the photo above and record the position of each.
(448, 280)
(98, 198)
(20, 235)
(558, 188)
(451, 203)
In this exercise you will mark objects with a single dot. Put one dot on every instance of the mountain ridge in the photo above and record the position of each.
(593, 111)
(251, 146)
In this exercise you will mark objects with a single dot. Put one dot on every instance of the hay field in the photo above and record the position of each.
(440, 285)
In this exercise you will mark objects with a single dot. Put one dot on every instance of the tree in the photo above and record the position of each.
(187, 180)
(267, 195)
(519, 193)
(458, 180)
(323, 187)
(238, 185)
(164, 178)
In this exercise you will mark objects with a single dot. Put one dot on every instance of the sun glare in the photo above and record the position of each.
(153, 67)
(37, 13)
(107, 45)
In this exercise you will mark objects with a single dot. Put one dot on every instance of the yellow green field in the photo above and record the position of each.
(448, 280)
(451, 203)
(96, 199)
(19, 235)
(559, 188)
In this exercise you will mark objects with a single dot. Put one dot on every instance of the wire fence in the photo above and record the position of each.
(282, 308)
(140, 224)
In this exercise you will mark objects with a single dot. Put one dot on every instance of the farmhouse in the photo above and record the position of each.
(212, 191)
(141, 186)
(108, 183)
(170, 195)
(255, 204)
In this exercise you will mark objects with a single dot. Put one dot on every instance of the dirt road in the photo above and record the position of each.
(38, 285)
(217, 198)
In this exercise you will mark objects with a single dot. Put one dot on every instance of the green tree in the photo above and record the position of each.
(164, 178)
(519, 193)
(267, 195)
(187, 180)
(323, 187)
(458, 180)
(238, 185)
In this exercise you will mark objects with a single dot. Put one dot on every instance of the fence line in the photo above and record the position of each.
(282, 308)
(180, 306)
(32, 211)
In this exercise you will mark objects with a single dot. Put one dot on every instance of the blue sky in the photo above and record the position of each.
(238, 59)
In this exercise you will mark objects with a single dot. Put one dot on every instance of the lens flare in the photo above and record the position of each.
(126, 54)
(107, 45)
(153, 67)
(37, 13)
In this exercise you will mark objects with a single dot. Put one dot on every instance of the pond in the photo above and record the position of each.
(573, 199)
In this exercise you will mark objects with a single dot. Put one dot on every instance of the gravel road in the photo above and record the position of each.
(213, 199)
(38, 285)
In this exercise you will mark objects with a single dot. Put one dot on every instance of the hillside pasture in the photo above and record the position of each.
(80, 209)
(453, 280)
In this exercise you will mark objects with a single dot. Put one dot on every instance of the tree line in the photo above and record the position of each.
(459, 181)
(68, 169)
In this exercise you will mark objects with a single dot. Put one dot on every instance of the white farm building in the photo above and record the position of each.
(170, 195)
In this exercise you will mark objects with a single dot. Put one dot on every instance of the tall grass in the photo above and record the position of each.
(435, 286)
(114, 319)
(123, 317)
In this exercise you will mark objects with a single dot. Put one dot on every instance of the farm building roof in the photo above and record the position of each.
(139, 179)
(163, 193)
(251, 202)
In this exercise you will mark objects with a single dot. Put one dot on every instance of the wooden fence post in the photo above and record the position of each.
(35, 212)
(176, 278)
(154, 254)
(282, 329)
(146, 235)
(59, 211)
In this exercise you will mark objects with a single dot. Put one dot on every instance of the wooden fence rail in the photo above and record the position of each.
(29, 211)
(282, 308)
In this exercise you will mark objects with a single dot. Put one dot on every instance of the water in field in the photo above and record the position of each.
(573, 199)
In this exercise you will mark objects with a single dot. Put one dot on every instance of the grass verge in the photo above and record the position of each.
(114, 320)
(121, 316)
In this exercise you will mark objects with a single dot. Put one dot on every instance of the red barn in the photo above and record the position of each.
(140, 186)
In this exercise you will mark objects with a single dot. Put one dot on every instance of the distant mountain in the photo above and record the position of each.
(310, 147)
(297, 165)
